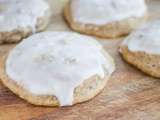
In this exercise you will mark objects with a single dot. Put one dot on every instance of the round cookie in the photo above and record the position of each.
(105, 18)
(56, 68)
(21, 18)
(142, 48)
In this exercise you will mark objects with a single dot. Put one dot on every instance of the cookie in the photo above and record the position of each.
(56, 68)
(21, 18)
(142, 48)
(106, 19)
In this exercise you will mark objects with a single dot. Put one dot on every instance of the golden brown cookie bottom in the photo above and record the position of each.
(149, 64)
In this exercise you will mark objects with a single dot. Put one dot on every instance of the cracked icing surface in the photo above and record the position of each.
(100, 12)
(16, 14)
(55, 63)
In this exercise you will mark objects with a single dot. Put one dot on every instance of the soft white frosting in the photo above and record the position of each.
(55, 63)
(145, 39)
(16, 14)
(101, 12)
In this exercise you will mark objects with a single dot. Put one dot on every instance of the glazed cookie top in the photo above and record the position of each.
(100, 12)
(16, 14)
(145, 39)
(55, 63)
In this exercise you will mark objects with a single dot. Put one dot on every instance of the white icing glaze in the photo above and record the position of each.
(145, 39)
(101, 12)
(55, 63)
(16, 14)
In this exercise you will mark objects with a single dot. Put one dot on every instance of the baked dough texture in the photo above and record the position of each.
(20, 18)
(89, 88)
(111, 29)
(148, 63)
(142, 48)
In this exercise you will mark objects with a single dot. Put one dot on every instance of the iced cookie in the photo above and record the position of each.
(105, 18)
(142, 48)
(56, 69)
(21, 18)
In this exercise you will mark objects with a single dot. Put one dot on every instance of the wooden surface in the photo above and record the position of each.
(129, 94)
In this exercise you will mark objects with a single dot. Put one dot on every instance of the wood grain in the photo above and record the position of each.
(129, 94)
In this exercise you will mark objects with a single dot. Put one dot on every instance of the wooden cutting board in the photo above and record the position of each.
(129, 94)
